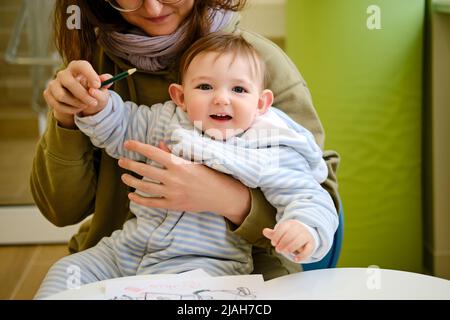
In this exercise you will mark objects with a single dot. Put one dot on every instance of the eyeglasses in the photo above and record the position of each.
(133, 5)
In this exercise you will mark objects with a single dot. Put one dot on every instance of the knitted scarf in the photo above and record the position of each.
(154, 53)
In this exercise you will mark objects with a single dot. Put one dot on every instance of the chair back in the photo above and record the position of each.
(332, 257)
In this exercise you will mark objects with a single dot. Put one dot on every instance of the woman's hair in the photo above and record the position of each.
(80, 44)
(225, 43)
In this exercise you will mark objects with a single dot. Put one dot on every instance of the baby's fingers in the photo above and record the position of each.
(268, 233)
(285, 241)
(293, 244)
(104, 77)
(101, 96)
(304, 253)
(279, 231)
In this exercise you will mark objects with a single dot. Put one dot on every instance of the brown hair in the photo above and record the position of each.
(223, 43)
(80, 44)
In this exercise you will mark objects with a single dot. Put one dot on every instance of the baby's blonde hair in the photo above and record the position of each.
(223, 43)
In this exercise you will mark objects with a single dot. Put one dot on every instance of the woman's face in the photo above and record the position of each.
(158, 19)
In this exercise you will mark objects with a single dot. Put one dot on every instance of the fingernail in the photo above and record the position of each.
(97, 84)
(93, 103)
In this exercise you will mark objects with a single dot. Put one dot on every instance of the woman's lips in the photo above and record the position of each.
(160, 19)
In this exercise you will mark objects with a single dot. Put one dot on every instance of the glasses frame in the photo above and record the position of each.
(142, 3)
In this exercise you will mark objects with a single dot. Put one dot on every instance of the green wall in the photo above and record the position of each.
(367, 88)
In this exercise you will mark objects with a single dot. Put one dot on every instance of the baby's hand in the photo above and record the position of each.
(101, 95)
(291, 237)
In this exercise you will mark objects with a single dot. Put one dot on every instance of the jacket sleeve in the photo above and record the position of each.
(63, 178)
(293, 97)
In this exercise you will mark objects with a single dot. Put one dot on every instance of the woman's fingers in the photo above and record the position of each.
(62, 96)
(84, 68)
(143, 169)
(163, 146)
(149, 202)
(61, 107)
(153, 153)
(188, 186)
(75, 87)
(76, 78)
(148, 187)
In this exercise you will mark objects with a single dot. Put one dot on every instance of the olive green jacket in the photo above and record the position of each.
(72, 180)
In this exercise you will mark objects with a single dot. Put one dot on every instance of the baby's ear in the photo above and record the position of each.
(265, 101)
(176, 93)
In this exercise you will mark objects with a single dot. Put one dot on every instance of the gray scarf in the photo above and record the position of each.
(154, 53)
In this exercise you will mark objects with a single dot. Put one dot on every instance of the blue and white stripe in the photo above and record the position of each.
(282, 159)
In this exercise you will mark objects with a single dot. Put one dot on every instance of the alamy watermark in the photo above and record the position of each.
(256, 147)
(373, 21)
(74, 277)
(373, 281)
(74, 19)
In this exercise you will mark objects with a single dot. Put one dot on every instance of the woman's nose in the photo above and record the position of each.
(153, 7)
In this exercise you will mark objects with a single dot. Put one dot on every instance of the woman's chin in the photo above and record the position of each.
(159, 32)
(159, 29)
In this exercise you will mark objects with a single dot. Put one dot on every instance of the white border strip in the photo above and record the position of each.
(26, 225)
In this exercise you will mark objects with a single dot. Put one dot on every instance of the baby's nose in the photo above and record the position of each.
(221, 97)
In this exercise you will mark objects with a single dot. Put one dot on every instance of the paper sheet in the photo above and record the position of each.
(195, 285)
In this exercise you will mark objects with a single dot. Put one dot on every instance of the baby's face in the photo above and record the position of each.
(221, 94)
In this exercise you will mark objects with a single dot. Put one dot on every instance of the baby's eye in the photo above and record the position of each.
(204, 86)
(239, 89)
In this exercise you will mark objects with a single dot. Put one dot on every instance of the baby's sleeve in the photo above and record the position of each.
(118, 122)
(292, 188)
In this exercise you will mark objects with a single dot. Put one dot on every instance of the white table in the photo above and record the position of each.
(339, 283)
(359, 283)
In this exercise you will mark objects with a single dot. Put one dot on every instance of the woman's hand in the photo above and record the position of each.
(68, 93)
(185, 186)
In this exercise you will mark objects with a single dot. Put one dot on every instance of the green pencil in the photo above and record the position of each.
(118, 77)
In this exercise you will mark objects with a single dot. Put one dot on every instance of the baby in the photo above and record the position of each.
(220, 115)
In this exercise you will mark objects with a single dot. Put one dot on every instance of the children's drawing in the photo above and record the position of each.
(244, 287)
(241, 293)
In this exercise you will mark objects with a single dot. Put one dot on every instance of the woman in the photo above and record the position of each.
(71, 179)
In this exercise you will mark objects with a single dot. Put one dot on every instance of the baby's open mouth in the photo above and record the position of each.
(221, 116)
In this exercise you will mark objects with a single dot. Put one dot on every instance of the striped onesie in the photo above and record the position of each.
(275, 154)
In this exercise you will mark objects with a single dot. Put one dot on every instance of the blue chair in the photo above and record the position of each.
(332, 257)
